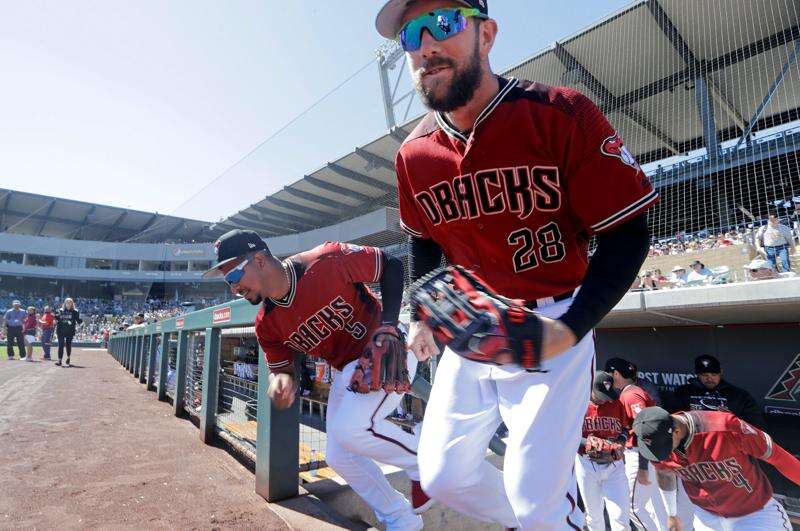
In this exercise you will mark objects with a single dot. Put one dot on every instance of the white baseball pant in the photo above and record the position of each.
(772, 517)
(543, 412)
(603, 485)
(646, 509)
(685, 507)
(359, 434)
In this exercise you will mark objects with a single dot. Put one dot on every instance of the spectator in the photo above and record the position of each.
(47, 324)
(29, 332)
(698, 272)
(648, 281)
(659, 276)
(678, 275)
(15, 318)
(708, 391)
(774, 242)
(761, 270)
(242, 369)
(68, 318)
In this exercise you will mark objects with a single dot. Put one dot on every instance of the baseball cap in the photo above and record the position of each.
(678, 268)
(696, 262)
(706, 363)
(233, 245)
(603, 386)
(625, 368)
(390, 17)
(653, 427)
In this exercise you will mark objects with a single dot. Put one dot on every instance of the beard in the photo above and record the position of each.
(462, 86)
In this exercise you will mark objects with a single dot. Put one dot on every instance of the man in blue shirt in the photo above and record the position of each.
(14, 319)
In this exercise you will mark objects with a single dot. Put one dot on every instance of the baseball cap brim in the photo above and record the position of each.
(390, 18)
(654, 452)
(218, 270)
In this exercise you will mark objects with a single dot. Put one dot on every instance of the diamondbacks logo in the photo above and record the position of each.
(613, 147)
(787, 388)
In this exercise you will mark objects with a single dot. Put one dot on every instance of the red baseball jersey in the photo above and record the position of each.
(328, 311)
(517, 199)
(607, 420)
(634, 399)
(719, 465)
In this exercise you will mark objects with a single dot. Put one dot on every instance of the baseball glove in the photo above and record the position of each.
(466, 315)
(602, 450)
(383, 367)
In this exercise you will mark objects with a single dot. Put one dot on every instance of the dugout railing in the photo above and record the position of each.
(179, 359)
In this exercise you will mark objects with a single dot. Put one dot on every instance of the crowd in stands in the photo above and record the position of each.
(101, 315)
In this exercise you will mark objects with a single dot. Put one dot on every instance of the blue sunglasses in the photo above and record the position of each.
(440, 23)
(235, 275)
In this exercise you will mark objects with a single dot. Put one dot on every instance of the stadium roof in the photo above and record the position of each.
(640, 65)
(40, 215)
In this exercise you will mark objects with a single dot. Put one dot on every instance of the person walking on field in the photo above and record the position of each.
(29, 332)
(47, 324)
(67, 318)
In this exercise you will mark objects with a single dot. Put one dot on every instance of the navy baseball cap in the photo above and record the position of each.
(233, 246)
(389, 21)
(654, 427)
(623, 366)
(706, 363)
(603, 386)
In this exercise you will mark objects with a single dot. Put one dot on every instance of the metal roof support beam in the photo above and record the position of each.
(770, 93)
(265, 214)
(145, 227)
(85, 221)
(707, 117)
(358, 177)
(114, 225)
(571, 63)
(314, 198)
(273, 224)
(46, 216)
(6, 201)
(319, 183)
(398, 134)
(321, 215)
(375, 160)
(259, 226)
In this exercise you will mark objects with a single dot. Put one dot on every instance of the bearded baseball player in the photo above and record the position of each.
(507, 179)
(716, 455)
(601, 473)
(316, 302)
(646, 510)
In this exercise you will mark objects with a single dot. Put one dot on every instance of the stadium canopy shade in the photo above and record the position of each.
(640, 65)
(40, 215)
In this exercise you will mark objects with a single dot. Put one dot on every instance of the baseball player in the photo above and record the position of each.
(601, 475)
(316, 302)
(646, 510)
(510, 179)
(716, 453)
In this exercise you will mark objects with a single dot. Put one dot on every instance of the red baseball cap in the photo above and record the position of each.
(389, 21)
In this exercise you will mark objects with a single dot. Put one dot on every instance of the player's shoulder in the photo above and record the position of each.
(568, 103)
(633, 392)
(327, 253)
(425, 128)
(715, 422)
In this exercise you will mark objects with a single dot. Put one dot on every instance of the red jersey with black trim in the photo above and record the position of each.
(328, 311)
(634, 399)
(517, 199)
(718, 463)
(607, 421)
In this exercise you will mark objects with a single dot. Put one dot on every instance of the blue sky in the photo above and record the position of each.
(143, 104)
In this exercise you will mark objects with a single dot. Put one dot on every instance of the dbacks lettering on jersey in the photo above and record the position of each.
(336, 315)
(521, 191)
(727, 470)
(612, 424)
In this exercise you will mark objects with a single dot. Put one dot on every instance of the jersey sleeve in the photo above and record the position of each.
(411, 219)
(357, 263)
(750, 439)
(605, 185)
(634, 402)
(279, 357)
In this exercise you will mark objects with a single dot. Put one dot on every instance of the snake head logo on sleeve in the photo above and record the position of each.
(613, 147)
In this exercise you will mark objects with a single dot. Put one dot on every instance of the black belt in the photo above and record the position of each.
(785, 245)
(532, 304)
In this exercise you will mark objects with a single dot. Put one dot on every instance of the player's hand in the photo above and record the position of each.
(421, 342)
(642, 477)
(556, 338)
(281, 390)
(674, 524)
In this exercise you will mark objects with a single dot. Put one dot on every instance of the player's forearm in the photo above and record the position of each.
(614, 265)
(424, 257)
(391, 289)
(786, 463)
